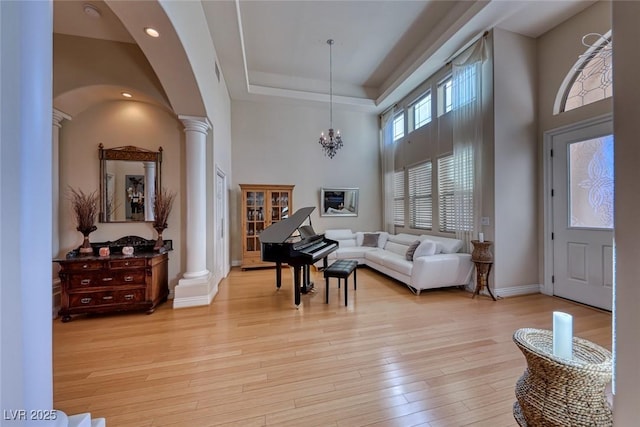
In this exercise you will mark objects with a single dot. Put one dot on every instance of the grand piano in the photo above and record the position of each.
(280, 245)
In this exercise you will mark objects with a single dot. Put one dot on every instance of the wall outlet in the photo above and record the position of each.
(485, 220)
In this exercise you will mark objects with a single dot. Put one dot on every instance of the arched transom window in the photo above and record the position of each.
(591, 78)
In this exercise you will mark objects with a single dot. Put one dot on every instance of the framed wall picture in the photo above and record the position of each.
(339, 202)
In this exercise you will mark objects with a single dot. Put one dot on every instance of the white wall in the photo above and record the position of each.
(626, 92)
(116, 124)
(189, 21)
(277, 143)
(514, 151)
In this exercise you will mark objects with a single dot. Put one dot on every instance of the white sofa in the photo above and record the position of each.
(435, 263)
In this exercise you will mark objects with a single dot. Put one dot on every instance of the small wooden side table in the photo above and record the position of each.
(483, 259)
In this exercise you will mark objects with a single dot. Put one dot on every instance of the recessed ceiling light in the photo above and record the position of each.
(152, 32)
(91, 10)
(127, 95)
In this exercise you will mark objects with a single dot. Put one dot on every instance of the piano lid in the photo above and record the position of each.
(282, 230)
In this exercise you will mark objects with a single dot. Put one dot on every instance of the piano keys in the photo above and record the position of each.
(280, 245)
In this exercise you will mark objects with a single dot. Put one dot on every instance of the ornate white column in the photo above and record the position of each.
(149, 189)
(196, 286)
(58, 117)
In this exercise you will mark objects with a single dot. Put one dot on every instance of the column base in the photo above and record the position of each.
(193, 292)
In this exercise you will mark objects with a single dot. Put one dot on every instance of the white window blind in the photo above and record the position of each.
(398, 198)
(420, 201)
(446, 185)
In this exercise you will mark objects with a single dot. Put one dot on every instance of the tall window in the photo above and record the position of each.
(422, 111)
(420, 198)
(398, 126)
(445, 98)
(446, 185)
(466, 87)
(398, 198)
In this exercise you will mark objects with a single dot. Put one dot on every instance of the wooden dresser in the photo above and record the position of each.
(117, 282)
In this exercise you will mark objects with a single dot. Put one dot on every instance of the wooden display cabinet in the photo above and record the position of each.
(262, 205)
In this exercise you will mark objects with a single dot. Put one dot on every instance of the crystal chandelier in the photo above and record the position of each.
(333, 141)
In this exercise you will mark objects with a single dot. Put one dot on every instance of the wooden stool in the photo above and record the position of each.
(340, 269)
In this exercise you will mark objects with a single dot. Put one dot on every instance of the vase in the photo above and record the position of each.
(481, 251)
(86, 248)
(159, 241)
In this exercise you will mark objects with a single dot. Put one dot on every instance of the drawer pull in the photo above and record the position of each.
(107, 298)
(129, 297)
(85, 265)
(85, 281)
(128, 278)
(85, 300)
(126, 263)
(107, 279)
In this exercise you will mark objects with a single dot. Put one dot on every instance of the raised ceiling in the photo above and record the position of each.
(383, 48)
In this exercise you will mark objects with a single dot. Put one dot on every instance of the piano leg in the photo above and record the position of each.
(307, 284)
(296, 284)
(278, 274)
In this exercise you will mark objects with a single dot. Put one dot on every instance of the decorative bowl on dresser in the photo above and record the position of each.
(116, 282)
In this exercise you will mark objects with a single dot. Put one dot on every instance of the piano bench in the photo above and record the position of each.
(340, 269)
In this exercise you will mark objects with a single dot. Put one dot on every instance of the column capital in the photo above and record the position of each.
(59, 116)
(195, 124)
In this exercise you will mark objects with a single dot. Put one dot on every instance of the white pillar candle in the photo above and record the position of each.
(562, 335)
(481, 237)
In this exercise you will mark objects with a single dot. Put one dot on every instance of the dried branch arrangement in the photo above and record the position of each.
(162, 205)
(85, 208)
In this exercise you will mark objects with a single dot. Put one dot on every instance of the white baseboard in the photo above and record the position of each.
(236, 263)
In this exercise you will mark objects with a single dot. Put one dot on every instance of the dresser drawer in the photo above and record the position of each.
(92, 299)
(106, 278)
(86, 265)
(128, 263)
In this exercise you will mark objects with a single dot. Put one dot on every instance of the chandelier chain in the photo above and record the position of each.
(333, 141)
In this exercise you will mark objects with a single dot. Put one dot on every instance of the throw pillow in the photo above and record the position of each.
(426, 248)
(412, 248)
(370, 239)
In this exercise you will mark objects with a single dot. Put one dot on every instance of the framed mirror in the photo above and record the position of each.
(129, 177)
(339, 202)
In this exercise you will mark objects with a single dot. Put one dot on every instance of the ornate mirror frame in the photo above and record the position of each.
(127, 189)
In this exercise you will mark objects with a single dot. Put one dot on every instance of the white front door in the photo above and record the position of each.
(582, 200)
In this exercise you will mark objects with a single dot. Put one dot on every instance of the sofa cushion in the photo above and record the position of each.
(376, 256)
(396, 248)
(398, 263)
(382, 238)
(370, 239)
(403, 238)
(411, 250)
(339, 234)
(353, 252)
(446, 245)
(425, 248)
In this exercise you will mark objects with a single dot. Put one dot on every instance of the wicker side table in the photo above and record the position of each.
(561, 392)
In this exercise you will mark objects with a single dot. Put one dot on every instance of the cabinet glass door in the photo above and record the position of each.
(255, 218)
(279, 205)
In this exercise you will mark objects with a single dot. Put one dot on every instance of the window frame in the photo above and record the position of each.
(445, 103)
(397, 137)
(424, 97)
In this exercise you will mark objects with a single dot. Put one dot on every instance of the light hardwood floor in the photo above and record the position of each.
(389, 358)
